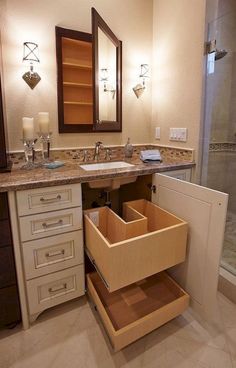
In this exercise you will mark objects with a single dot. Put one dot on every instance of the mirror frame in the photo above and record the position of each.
(106, 126)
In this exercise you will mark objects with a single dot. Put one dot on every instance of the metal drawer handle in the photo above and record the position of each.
(57, 288)
(53, 224)
(57, 253)
(50, 200)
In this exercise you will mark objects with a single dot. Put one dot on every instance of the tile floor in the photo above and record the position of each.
(228, 260)
(71, 336)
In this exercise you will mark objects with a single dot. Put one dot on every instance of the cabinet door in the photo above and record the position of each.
(205, 212)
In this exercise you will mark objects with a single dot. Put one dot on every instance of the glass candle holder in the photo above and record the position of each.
(29, 153)
(45, 140)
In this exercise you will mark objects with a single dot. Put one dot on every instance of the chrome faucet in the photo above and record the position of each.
(98, 146)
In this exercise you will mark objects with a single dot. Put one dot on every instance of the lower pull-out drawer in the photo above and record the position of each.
(138, 309)
(47, 291)
(146, 241)
(52, 254)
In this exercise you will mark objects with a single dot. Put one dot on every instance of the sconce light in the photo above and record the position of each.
(104, 77)
(31, 55)
(140, 87)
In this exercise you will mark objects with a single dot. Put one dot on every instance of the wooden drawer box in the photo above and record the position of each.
(47, 291)
(50, 223)
(52, 254)
(128, 251)
(138, 309)
(48, 199)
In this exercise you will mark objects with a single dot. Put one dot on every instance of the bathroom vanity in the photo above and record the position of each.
(49, 243)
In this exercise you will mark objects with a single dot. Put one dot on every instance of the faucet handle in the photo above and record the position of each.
(108, 154)
(98, 144)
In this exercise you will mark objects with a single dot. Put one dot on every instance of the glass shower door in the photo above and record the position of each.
(219, 157)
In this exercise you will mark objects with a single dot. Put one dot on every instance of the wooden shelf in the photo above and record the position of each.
(73, 84)
(78, 66)
(77, 42)
(78, 103)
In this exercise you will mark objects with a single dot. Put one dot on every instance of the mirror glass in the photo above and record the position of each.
(107, 76)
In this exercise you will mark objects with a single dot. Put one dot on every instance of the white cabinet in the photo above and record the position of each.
(183, 174)
(48, 228)
(204, 210)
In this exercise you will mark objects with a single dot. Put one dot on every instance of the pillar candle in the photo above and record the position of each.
(28, 128)
(43, 120)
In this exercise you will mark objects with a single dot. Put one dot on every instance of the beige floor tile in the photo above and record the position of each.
(71, 335)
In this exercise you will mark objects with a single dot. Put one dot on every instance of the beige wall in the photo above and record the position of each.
(178, 60)
(33, 20)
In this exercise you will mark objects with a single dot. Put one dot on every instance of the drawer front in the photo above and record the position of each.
(7, 267)
(123, 336)
(53, 254)
(47, 291)
(9, 306)
(5, 231)
(51, 223)
(48, 199)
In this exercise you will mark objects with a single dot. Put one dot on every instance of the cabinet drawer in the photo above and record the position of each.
(138, 309)
(7, 267)
(59, 287)
(50, 223)
(48, 199)
(128, 251)
(9, 306)
(5, 231)
(52, 254)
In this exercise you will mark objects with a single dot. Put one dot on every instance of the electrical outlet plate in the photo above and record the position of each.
(157, 133)
(178, 134)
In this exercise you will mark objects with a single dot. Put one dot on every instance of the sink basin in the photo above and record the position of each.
(106, 165)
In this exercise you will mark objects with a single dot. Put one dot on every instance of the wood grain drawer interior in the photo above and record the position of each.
(48, 199)
(47, 291)
(55, 253)
(149, 241)
(134, 311)
(50, 223)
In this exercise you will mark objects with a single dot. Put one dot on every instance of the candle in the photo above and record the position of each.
(43, 122)
(28, 128)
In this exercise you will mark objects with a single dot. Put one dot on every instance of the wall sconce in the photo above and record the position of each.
(104, 77)
(140, 87)
(31, 55)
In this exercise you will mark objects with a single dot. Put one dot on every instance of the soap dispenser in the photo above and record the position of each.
(129, 149)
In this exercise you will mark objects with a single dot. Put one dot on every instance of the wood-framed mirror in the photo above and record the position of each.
(107, 76)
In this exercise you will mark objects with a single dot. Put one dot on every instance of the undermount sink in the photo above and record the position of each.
(106, 166)
(110, 183)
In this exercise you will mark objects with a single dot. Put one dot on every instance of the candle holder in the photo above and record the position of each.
(45, 140)
(29, 153)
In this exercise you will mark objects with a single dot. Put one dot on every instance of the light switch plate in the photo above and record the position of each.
(178, 134)
(157, 133)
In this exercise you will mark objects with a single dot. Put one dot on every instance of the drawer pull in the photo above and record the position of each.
(57, 288)
(53, 254)
(53, 224)
(50, 200)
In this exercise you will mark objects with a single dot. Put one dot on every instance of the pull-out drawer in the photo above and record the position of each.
(50, 223)
(52, 254)
(47, 291)
(138, 309)
(126, 251)
(48, 199)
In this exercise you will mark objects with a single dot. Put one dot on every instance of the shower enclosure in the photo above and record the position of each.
(219, 157)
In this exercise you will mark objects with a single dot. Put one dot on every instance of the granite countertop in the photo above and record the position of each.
(71, 172)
